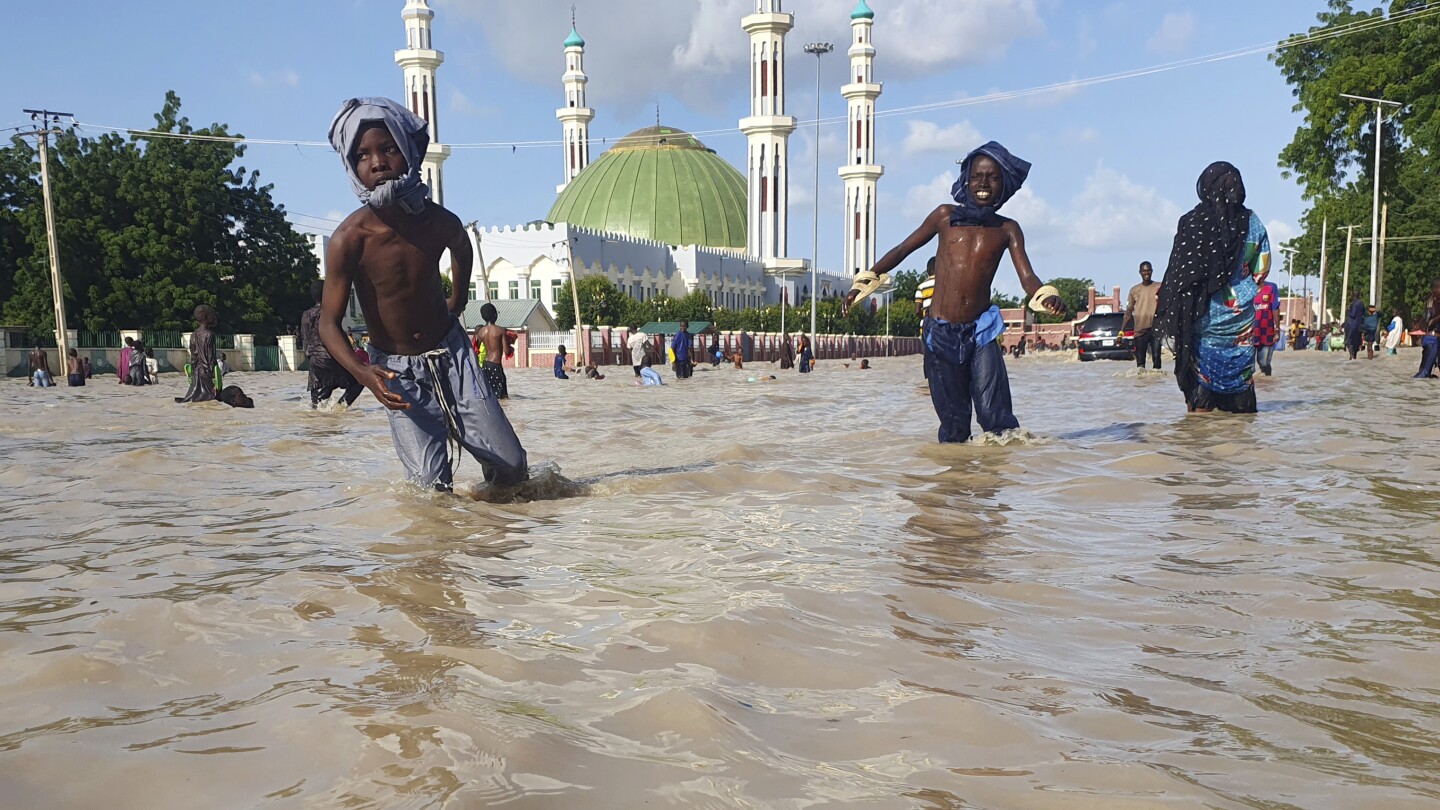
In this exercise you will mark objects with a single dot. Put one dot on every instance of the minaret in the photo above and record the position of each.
(768, 129)
(419, 61)
(860, 172)
(574, 117)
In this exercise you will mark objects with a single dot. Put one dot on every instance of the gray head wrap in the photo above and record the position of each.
(411, 134)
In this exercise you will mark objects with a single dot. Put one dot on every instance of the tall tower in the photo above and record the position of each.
(418, 61)
(767, 130)
(860, 172)
(574, 117)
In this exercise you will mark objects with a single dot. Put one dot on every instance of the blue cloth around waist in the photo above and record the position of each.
(956, 342)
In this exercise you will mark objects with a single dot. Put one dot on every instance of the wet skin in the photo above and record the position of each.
(492, 337)
(969, 255)
(392, 259)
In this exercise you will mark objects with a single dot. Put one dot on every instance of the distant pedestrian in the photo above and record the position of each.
(202, 357)
(326, 374)
(1394, 334)
(40, 369)
(74, 370)
(1430, 343)
(1140, 312)
(1354, 319)
(560, 363)
(1369, 330)
(680, 345)
(152, 366)
(807, 355)
(637, 347)
(490, 343)
(787, 352)
(139, 372)
(123, 369)
(85, 363)
(1267, 301)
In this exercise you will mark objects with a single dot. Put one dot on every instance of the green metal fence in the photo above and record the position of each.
(98, 340)
(165, 340)
(267, 358)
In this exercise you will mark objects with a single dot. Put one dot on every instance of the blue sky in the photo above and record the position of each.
(1114, 163)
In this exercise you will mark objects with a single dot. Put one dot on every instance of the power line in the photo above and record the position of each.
(1367, 25)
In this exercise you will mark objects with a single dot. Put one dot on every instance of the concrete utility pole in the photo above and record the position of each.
(47, 118)
(1345, 278)
(1324, 233)
(1375, 205)
(1380, 250)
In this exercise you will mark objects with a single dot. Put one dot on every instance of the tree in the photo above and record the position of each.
(1074, 292)
(148, 228)
(601, 302)
(1332, 154)
(905, 283)
(1004, 301)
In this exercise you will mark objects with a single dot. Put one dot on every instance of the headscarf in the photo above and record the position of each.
(1013, 171)
(411, 134)
(1209, 242)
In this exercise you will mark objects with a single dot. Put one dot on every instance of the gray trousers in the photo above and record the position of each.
(449, 398)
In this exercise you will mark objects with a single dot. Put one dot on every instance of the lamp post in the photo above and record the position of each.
(819, 49)
(1375, 204)
(1289, 275)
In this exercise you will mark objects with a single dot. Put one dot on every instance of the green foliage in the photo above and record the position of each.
(601, 302)
(1004, 301)
(148, 228)
(1332, 154)
(905, 283)
(1075, 292)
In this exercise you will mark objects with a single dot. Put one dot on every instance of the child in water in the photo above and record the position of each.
(423, 368)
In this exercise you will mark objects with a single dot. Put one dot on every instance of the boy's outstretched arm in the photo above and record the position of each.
(462, 258)
(1021, 260)
(912, 243)
(341, 259)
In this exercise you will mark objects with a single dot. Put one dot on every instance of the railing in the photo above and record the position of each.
(549, 341)
(165, 340)
(98, 340)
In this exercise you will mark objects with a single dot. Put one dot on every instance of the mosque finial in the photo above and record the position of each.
(657, 113)
(572, 15)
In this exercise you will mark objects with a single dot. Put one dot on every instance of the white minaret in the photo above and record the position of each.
(768, 129)
(860, 172)
(419, 62)
(574, 117)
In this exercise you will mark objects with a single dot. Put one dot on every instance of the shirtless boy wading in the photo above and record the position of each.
(966, 365)
(424, 370)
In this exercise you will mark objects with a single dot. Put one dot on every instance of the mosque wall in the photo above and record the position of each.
(530, 261)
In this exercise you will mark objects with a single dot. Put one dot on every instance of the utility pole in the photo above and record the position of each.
(1379, 248)
(47, 119)
(1345, 279)
(1324, 233)
(582, 352)
(1375, 205)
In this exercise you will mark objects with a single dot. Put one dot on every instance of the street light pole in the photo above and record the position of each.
(1375, 204)
(819, 49)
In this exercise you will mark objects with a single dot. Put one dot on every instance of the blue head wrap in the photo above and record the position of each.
(411, 134)
(1012, 169)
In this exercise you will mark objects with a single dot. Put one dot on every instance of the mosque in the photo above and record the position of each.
(659, 213)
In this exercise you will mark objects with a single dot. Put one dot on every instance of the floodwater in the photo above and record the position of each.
(762, 595)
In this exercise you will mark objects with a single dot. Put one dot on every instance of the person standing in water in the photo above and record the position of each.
(422, 366)
(490, 339)
(1430, 324)
(202, 357)
(1266, 331)
(967, 366)
(1207, 298)
(326, 374)
(680, 344)
(1140, 312)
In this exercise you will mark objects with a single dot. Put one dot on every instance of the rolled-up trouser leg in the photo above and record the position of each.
(950, 394)
(990, 390)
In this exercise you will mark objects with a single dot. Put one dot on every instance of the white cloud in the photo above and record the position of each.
(1176, 31)
(927, 136)
(696, 51)
(1081, 135)
(1112, 211)
(1280, 232)
(1032, 212)
(921, 200)
(279, 78)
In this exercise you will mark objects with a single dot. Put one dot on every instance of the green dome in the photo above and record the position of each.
(862, 12)
(658, 183)
(574, 40)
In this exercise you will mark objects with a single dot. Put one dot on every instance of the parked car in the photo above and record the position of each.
(1100, 337)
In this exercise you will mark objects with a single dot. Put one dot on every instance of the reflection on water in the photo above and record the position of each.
(721, 594)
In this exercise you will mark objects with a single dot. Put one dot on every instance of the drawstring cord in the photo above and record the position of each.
(433, 360)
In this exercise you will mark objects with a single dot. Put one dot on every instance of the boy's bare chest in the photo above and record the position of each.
(974, 243)
(389, 255)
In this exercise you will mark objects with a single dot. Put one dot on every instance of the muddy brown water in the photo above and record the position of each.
(759, 595)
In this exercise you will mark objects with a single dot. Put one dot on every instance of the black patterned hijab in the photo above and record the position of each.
(1209, 241)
